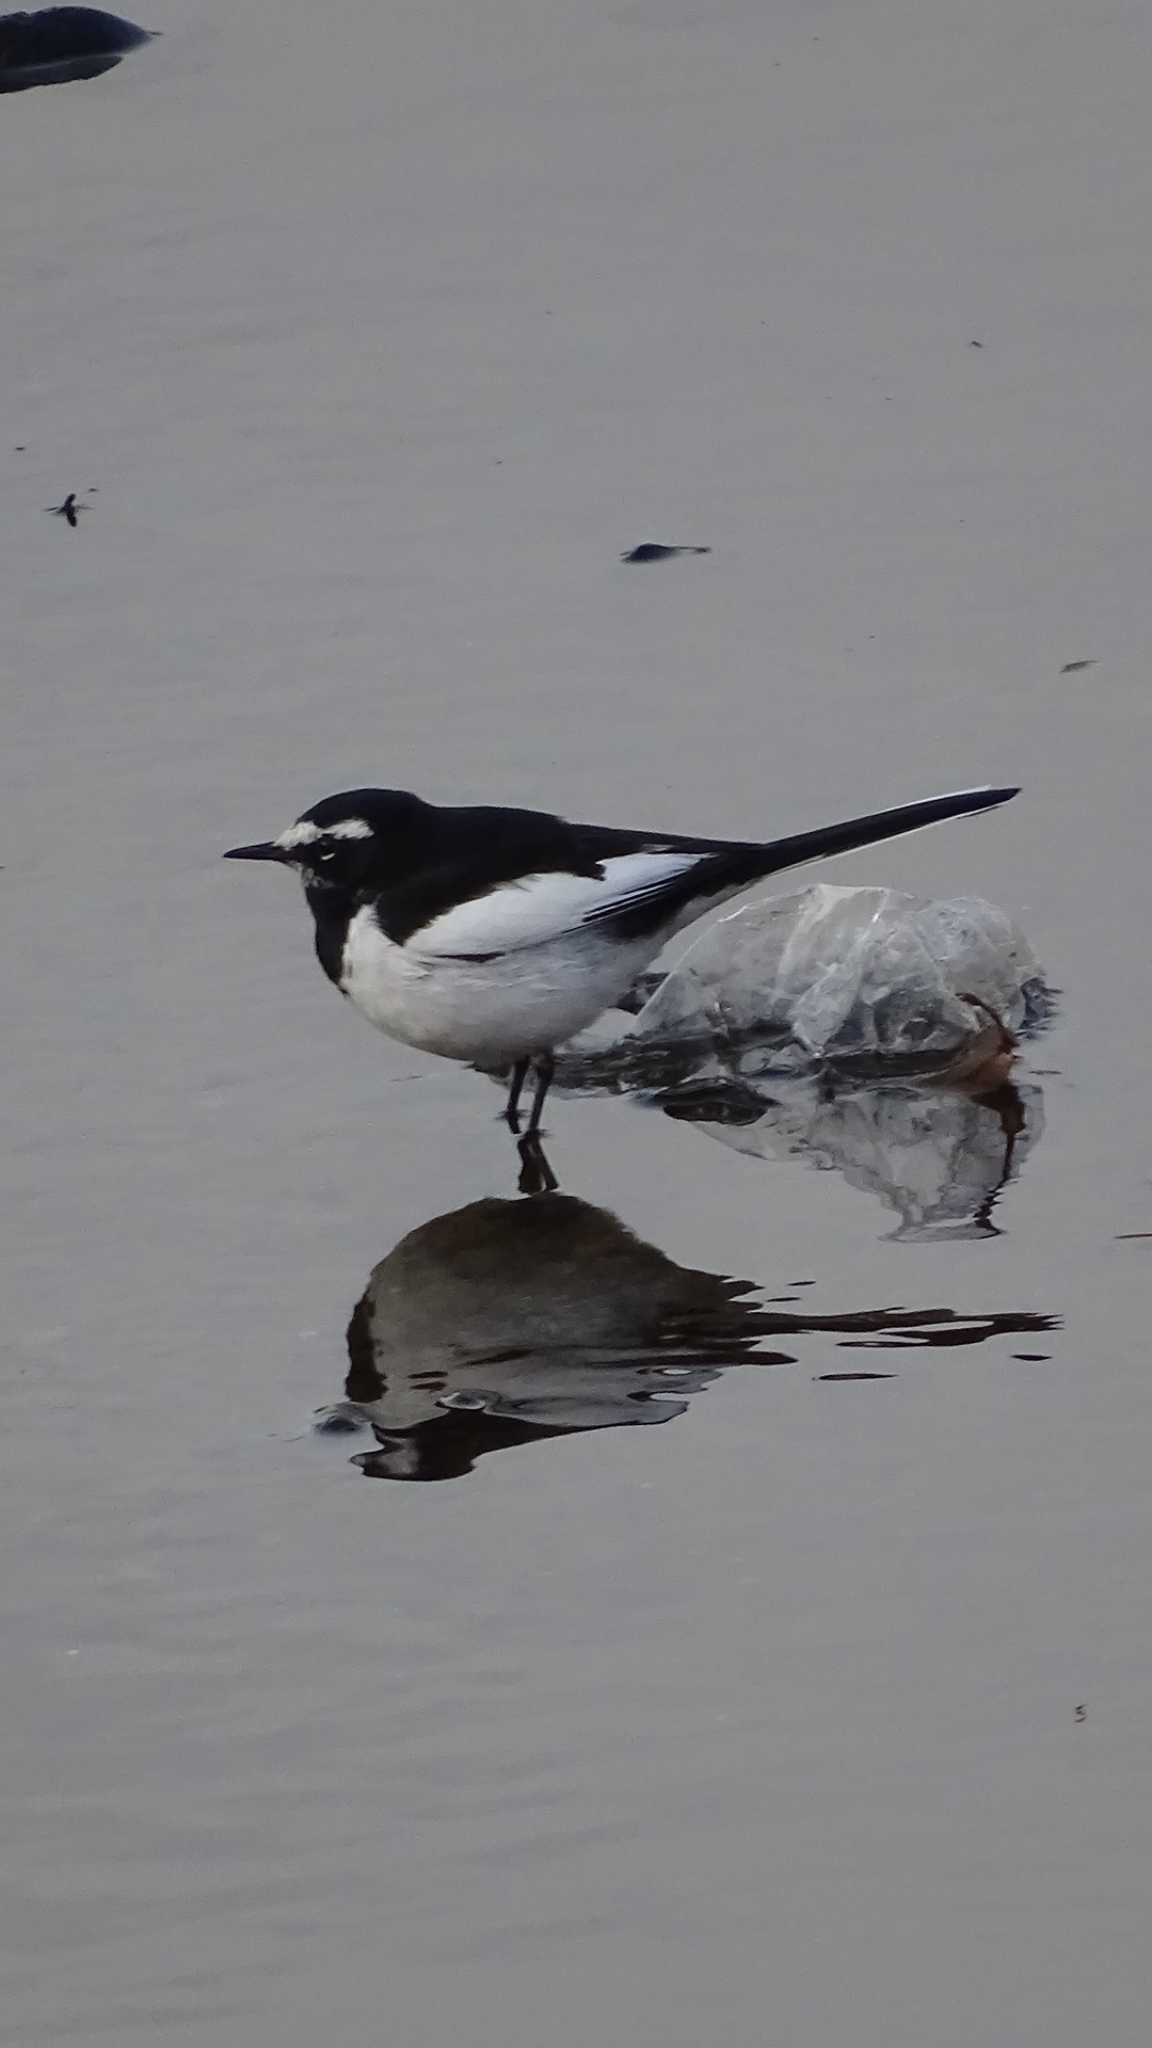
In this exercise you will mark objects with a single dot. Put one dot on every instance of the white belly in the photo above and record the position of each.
(489, 1012)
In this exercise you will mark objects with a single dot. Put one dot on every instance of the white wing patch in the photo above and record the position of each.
(539, 908)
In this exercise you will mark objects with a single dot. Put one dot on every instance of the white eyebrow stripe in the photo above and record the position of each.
(305, 833)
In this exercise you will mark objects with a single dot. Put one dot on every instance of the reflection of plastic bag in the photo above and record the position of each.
(841, 974)
(938, 1157)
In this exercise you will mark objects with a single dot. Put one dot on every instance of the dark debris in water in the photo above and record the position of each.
(656, 551)
(855, 1375)
(61, 44)
(69, 510)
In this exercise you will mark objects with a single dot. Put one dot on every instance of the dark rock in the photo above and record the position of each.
(61, 44)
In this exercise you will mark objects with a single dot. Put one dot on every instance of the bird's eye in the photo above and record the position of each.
(326, 853)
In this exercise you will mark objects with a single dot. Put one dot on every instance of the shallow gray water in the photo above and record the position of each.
(819, 1712)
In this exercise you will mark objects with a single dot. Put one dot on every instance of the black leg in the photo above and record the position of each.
(536, 1175)
(545, 1067)
(515, 1090)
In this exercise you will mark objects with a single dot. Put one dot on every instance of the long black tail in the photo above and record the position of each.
(732, 868)
(854, 832)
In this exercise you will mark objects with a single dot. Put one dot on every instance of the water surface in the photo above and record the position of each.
(372, 344)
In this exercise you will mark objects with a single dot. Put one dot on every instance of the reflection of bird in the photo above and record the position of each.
(511, 1322)
(493, 935)
(507, 1321)
(69, 510)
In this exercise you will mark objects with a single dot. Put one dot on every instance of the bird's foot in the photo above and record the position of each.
(536, 1175)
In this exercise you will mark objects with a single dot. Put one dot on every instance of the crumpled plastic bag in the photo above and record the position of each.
(837, 974)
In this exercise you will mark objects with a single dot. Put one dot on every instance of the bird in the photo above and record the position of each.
(492, 935)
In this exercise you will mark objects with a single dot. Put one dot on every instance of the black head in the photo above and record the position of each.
(359, 839)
